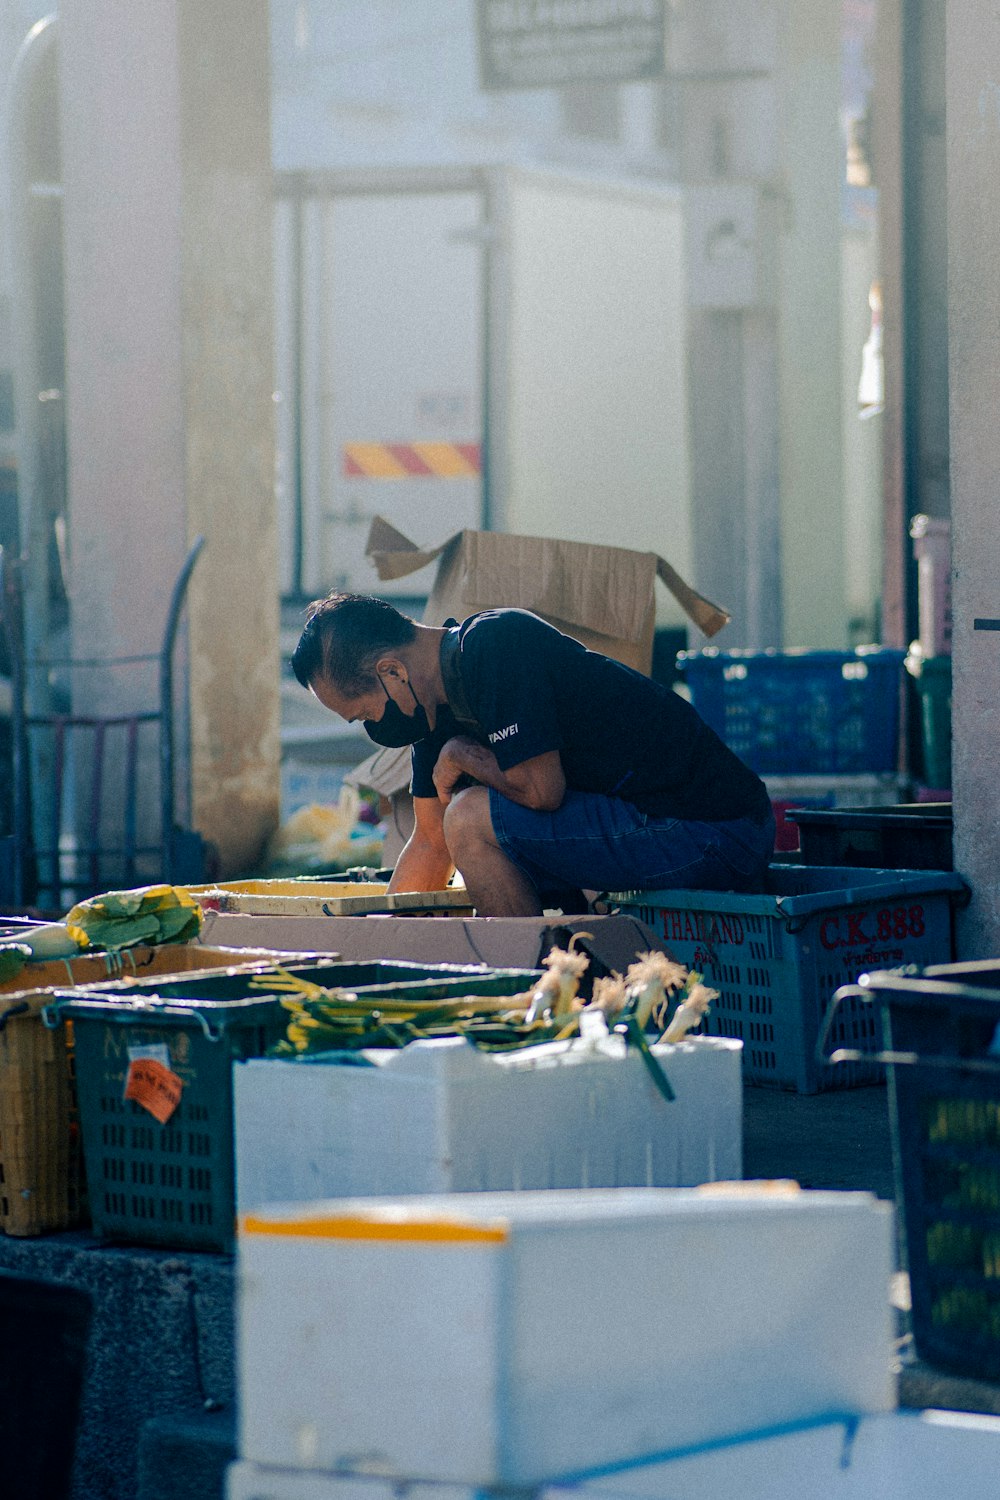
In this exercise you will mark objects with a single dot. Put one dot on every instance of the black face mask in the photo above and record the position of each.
(396, 729)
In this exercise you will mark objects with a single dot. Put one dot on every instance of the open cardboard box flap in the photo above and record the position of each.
(601, 595)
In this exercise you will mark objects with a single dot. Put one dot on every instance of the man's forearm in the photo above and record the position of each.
(420, 868)
(479, 762)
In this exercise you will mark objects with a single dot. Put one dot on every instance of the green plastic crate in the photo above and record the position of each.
(777, 958)
(934, 686)
(166, 1184)
(939, 1029)
(173, 1184)
(236, 984)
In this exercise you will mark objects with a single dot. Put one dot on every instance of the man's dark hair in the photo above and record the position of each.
(344, 636)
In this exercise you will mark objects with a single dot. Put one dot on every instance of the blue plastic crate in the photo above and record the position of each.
(801, 712)
(776, 959)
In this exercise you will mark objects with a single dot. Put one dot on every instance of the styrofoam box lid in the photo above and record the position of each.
(250, 1481)
(498, 1216)
(916, 1455)
(455, 1057)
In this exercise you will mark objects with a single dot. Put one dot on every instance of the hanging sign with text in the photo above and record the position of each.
(545, 43)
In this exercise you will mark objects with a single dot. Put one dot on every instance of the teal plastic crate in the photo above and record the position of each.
(172, 1184)
(777, 958)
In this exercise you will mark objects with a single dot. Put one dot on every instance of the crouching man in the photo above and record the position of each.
(536, 764)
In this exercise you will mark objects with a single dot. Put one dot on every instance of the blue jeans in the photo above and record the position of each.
(601, 843)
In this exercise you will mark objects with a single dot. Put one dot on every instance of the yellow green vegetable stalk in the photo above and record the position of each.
(121, 919)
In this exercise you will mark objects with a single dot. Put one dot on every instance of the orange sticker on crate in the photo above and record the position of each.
(154, 1087)
(411, 460)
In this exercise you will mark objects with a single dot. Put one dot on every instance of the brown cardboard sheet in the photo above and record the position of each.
(502, 942)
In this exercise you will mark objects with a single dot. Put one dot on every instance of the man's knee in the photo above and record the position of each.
(467, 820)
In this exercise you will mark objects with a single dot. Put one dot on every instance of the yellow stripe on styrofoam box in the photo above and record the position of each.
(426, 1231)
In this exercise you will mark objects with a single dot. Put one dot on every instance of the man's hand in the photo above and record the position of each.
(538, 782)
(453, 764)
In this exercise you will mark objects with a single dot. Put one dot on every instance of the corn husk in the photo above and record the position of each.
(150, 914)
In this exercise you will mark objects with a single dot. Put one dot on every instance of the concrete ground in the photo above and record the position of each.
(839, 1139)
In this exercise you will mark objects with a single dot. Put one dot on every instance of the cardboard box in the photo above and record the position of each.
(501, 942)
(439, 1116)
(604, 597)
(523, 1338)
(97, 967)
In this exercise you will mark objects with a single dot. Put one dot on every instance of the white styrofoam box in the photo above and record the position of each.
(439, 1116)
(932, 550)
(866, 789)
(913, 1455)
(517, 1338)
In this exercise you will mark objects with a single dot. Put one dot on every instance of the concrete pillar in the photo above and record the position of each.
(888, 141)
(726, 52)
(808, 292)
(973, 130)
(169, 371)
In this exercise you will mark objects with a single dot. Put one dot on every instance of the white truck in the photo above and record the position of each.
(498, 348)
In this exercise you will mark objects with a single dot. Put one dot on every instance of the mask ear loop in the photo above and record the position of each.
(417, 704)
(381, 683)
(409, 684)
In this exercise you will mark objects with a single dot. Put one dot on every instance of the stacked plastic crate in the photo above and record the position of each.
(41, 1166)
(822, 728)
(940, 1028)
(777, 957)
(827, 722)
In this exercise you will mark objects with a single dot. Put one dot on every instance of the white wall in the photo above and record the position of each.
(597, 438)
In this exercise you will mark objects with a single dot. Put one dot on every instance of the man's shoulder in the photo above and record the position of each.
(501, 628)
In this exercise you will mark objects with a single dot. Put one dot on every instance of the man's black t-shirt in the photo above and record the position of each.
(532, 689)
